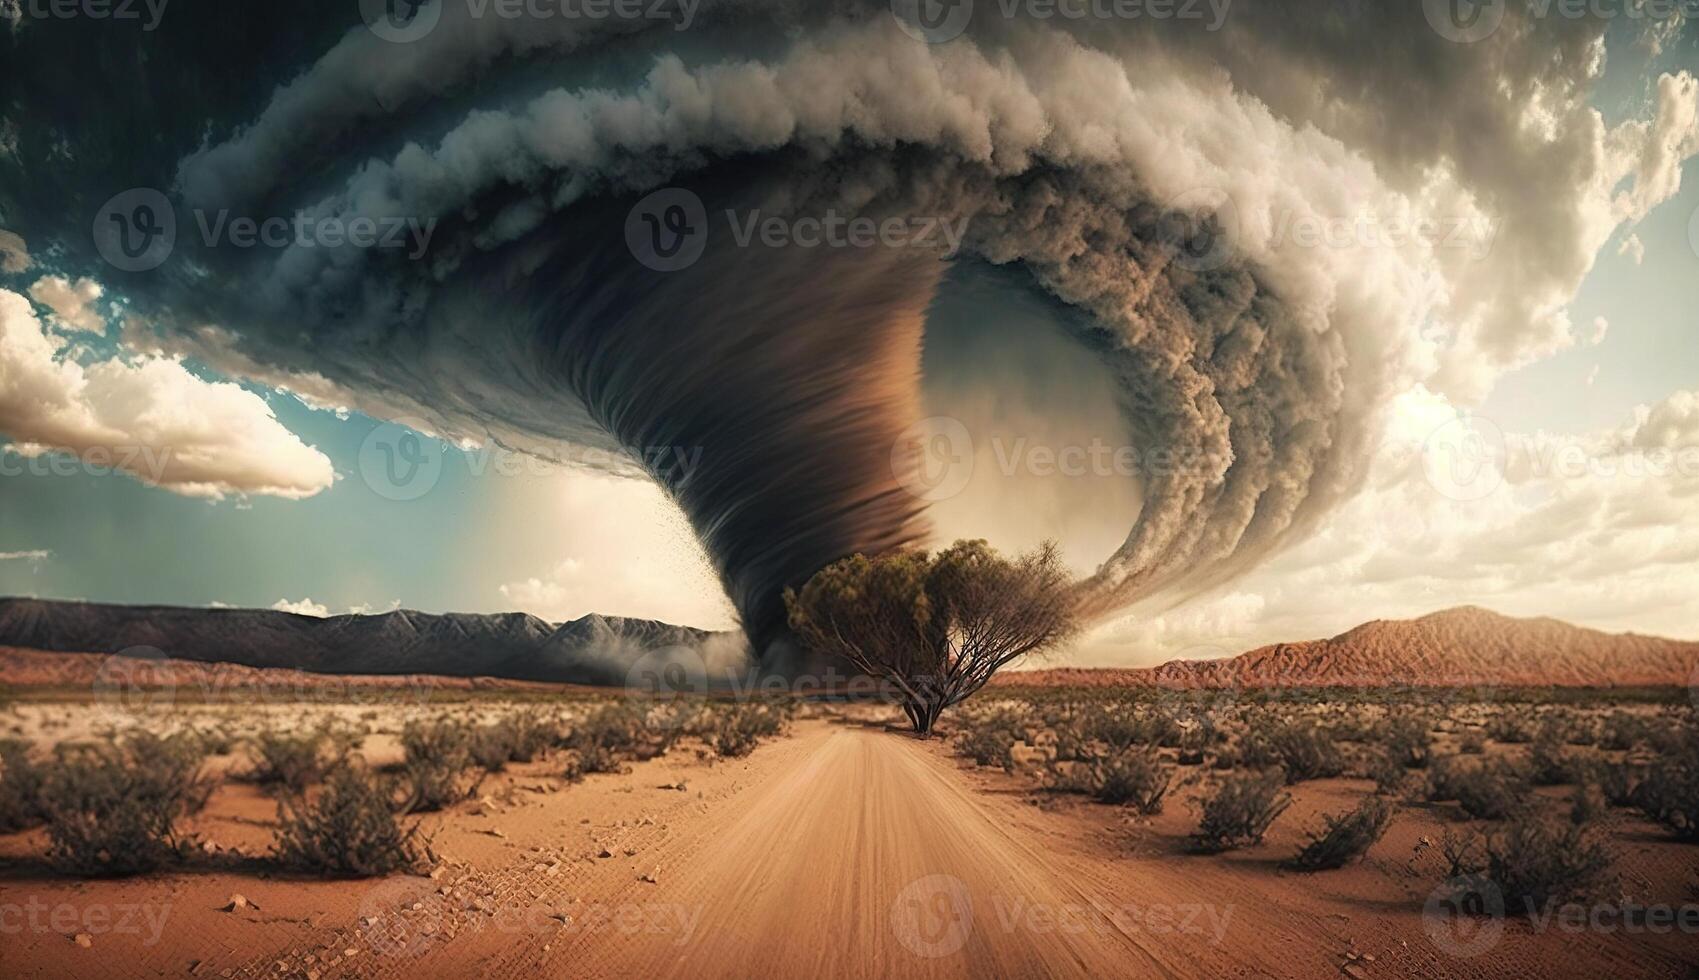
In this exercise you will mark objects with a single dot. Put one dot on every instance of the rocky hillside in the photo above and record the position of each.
(1466, 645)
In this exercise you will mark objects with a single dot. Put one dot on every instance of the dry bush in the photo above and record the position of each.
(529, 735)
(1301, 747)
(1548, 762)
(490, 747)
(296, 761)
(1616, 782)
(1621, 731)
(1406, 737)
(1388, 772)
(1474, 743)
(349, 829)
(1240, 811)
(113, 809)
(1136, 777)
(1346, 837)
(988, 738)
(626, 730)
(20, 788)
(1532, 863)
(735, 730)
(1510, 726)
(1586, 804)
(434, 773)
(1670, 792)
(1492, 790)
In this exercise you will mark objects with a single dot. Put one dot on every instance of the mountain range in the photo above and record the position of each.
(1462, 646)
(517, 646)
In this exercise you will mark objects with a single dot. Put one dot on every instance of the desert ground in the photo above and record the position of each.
(841, 845)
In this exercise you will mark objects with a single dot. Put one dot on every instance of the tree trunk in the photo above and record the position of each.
(922, 714)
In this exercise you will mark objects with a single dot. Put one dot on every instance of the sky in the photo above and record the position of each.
(1518, 419)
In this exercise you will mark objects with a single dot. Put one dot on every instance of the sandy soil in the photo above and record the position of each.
(843, 850)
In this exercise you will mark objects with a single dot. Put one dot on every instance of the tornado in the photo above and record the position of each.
(1145, 178)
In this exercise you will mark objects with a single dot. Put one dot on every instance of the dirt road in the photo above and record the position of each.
(866, 853)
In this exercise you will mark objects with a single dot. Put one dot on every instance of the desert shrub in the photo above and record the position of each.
(1492, 791)
(1240, 811)
(1136, 777)
(1196, 742)
(737, 729)
(1616, 783)
(1670, 793)
(1548, 763)
(1509, 726)
(1346, 837)
(113, 809)
(1406, 737)
(349, 829)
(1306, 751)
(596, 759)
(216, 741)
(1473, 743)
(1388, 771)
(438, 755)
(20, 788)
(1442, 779)
(529, 735)
(618, 728)
(990, 741)
(518, 737)
(1534, 864)
(295, 761)
(491, 746)
(1621, 731)
(1586, 804)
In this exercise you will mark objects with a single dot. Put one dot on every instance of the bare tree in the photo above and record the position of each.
(935, 627)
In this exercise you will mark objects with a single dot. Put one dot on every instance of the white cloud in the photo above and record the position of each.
(1597, 334)
(306, 607)
(148, 417)
(72, 303)
(367, 609)
(631, 553)
(14, 254)
(38, 555)
(1601, 529)
(1632, 247)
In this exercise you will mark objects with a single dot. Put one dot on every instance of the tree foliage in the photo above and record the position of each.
(936, 627)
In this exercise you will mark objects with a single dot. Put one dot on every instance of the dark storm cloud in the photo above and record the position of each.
(1087, 157)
